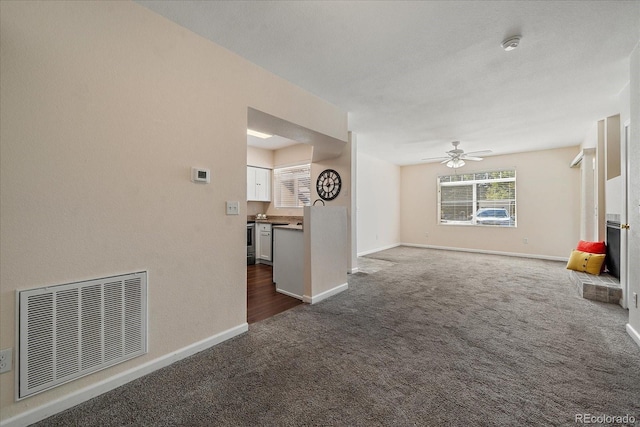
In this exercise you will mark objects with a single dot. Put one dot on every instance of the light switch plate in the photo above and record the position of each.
(233, 208)
(5, 360)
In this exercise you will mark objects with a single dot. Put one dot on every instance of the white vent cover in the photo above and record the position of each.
(68, 331)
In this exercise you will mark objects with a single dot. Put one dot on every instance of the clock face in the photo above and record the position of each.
(328, 184)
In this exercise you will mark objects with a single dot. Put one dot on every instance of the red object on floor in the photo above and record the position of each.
(592, 247)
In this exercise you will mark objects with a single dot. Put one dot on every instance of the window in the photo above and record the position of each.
(480, 198)
(292, 186)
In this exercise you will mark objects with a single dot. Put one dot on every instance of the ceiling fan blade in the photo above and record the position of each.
(479, 153)
(458, 154)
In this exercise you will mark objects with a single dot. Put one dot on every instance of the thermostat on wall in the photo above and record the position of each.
(201, 175)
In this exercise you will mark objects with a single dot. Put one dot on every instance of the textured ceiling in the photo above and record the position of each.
(415, 76)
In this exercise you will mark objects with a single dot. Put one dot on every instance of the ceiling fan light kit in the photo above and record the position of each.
(455, 163)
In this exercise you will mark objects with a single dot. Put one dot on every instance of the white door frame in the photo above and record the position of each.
(624, 217)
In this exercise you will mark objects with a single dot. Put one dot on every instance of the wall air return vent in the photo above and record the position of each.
(68, 331)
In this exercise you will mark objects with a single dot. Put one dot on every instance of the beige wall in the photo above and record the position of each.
(105, 107)
(342, 164)
(254, 208)
(588, 201)
(378, 204)
(612, 143)
(548, 204)
(259, 157)
(293, 155)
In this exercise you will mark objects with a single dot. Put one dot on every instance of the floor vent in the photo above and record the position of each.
(68, 331)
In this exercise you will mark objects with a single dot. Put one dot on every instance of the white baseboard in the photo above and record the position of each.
(63, 403)
(633, 333)
(282, 291)
(354, 270)
(482, 251)
(326, 294)
(372, 251)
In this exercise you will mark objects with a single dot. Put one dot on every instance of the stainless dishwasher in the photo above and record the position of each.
(251, 243)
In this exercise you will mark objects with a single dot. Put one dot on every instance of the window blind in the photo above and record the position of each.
(292, 186)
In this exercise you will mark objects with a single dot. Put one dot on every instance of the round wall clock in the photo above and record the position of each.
(328, 184)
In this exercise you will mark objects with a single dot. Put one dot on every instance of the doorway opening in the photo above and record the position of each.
(262, 299)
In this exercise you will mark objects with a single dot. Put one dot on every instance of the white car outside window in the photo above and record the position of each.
(493, 216)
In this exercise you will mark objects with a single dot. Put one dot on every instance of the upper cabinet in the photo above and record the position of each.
(258, 184)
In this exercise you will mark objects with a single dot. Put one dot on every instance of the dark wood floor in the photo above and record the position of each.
(262, 299)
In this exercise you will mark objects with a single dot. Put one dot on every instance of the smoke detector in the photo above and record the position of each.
(511, 43)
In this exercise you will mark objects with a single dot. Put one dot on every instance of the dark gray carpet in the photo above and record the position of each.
(434, 338)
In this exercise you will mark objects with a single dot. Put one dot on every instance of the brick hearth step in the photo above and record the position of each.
(603, 288)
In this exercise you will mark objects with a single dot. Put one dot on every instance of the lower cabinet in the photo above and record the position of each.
(264, 246)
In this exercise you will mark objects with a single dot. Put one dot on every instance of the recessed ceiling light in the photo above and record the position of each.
(511, 43)
(258, 134)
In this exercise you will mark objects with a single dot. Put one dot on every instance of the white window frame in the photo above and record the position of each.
(473, 204)
(292, 186)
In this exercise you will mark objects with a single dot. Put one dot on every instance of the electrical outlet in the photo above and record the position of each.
(525, 240)
(5, 360)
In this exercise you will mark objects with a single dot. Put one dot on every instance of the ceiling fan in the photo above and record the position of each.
(455, 158)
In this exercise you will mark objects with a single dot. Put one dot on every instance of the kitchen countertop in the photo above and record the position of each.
(286, 220)
(292, 226)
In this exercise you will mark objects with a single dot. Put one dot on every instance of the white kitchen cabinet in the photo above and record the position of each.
(258, 184)
(264, 242)
(251, 183)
